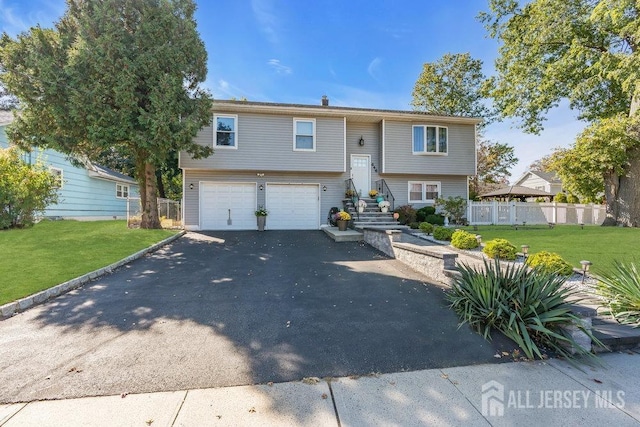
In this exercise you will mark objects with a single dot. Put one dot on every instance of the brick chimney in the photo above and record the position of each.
(325, 101)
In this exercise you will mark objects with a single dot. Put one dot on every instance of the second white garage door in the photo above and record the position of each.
(293, 206)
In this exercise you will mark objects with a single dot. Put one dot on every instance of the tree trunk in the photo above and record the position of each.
(148, 193)
(161, 192)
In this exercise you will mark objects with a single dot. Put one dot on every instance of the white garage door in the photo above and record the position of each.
(293, 207)
(227, 206)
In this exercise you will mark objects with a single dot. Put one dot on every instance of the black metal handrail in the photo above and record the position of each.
(351, 192)
(383, 189)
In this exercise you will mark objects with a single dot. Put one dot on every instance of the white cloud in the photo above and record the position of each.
(279, 67)
(267, 20)
(373, 68)
(224, 89)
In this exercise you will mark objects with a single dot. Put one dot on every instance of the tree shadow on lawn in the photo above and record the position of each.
(232, 308)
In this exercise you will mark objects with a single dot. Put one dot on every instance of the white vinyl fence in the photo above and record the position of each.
(509, 213)
(168, 211)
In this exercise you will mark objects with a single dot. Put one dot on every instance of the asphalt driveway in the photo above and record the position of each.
(229, 308)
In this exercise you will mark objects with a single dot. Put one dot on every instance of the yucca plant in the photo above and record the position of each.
(527, 305)
(621, 292)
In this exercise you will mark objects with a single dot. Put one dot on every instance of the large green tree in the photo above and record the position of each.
(120, 75)
(455, 85)
(585, 51)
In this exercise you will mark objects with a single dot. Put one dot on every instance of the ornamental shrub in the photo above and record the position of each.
(425, 227)
(620, 290)
(550, 262)
(500, 248)
(464, 240)
(571, 198)
(414, 225)
(25, 190)
(407, 214)
(530, 307)
(422, 213)
(442, 233)
(435, 219)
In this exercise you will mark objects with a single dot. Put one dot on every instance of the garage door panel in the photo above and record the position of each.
(297, 206)
(221, 201)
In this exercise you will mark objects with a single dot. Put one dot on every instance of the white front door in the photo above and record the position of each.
(361, 173)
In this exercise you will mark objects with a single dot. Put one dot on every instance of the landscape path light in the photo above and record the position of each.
(585, 267)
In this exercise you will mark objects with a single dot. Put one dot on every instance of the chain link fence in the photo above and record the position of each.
(169, 212)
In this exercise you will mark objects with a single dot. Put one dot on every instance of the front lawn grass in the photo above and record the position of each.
(52, 252)
(600, 245)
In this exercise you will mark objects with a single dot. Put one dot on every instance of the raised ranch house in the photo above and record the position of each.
(85, 192)
(295, 160)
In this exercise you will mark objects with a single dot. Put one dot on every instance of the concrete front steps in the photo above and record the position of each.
(371, 217)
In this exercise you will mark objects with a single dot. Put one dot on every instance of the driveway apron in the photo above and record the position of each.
(232, 308)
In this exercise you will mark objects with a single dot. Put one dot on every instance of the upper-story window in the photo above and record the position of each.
(226, 135)
(304, 134)
(122, 191)
(430, 139)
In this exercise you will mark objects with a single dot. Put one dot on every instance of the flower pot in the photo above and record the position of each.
(342, 225)
(379, 199)
(384, 210)
(360, 209)
(262, 220)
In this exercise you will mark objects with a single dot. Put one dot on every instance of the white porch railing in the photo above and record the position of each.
(508, 213)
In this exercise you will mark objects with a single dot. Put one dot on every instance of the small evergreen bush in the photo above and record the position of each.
(560, 198)
(422, 213)
(414, 225)
(435, 219)
(500, 248)
(464, 240)
(572, 199)
(550, 262)
(425, 227)
(442, 233)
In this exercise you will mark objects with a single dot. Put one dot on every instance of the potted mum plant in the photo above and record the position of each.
(362, 205)
(373, 193)
(342, 219)
(261, 217)
(384, 206)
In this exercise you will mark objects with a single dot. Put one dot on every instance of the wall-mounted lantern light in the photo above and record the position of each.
(361, 142)
(324, 188)
(191, 186)
(261, 187)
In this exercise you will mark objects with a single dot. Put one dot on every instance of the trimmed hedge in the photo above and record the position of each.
(464, 240)
(500, 248)
(550, 262)
(422, 213)
(443, 233)
(425, 227)
(435, 219)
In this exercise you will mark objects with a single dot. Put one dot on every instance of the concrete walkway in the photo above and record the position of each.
(528, 393)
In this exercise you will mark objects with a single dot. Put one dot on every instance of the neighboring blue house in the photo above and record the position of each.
(86, 193)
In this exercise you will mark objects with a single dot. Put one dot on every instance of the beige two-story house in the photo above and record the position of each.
(296, 160)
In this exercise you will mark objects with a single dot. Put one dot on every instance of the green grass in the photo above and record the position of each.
(52, 252)
(600, 245)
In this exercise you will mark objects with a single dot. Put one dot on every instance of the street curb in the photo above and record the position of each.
(10, 309)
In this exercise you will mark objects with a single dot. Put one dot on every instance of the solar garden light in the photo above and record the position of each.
(585, 267)
(525, 251)
(479, 239)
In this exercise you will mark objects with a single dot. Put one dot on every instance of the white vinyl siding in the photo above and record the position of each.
(304, 135)
(122, 191)
(429, 139)
(423, 191)
(226, 135)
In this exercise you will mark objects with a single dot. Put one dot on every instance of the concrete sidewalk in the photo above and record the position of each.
(536, 393)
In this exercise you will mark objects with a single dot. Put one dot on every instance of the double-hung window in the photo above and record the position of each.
(226, 135)
(122, 191)
(304, 134)
(423, 191)
(429, 139)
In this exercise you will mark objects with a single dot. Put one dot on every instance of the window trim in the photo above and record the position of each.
(424, 184)
(300, 119)
(429, 153)
(215, 131)
(122, 187)
(58, 173)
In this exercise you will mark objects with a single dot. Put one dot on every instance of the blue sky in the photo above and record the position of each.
(359, 53)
